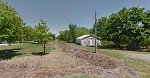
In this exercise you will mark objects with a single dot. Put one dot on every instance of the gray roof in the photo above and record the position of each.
(83, 36)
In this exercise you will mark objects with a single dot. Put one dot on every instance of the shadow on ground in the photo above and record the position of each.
(39, 53)
(6, 54)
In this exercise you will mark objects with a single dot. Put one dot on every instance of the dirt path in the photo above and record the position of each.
(56, 64)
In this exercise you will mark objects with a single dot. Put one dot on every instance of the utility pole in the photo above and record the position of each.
(95, 33)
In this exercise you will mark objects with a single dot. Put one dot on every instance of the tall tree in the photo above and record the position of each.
(72, 32)
(128, 26)
(135, 27)
(146, 27)
(117, 29)
(10, 24)
(102, 27)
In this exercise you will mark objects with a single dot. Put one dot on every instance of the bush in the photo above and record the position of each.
(107, 43)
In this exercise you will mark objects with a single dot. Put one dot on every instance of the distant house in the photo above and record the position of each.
(4, 43)
(87, 40)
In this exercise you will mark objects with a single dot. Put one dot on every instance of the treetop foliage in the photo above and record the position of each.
(128, 26)
(10, 23)
(14, 29)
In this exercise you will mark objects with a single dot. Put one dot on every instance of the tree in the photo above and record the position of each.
(135, 28)
(91, 31)
(72, 32)
(128, 26)
(42, 34)
(102, 27)
(28, 33)
(81, 31)
(146, 27)
(10, 24)
(53, 36)
(117, 29)
(64, 35)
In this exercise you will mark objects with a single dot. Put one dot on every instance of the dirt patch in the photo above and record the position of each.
(106, 64)
(93, 58)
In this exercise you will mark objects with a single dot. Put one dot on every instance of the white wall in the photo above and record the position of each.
(89, 41)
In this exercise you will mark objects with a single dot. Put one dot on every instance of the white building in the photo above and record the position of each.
(87, 40)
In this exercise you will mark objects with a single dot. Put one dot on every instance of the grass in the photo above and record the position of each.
(23, 49)
(138, 65)
(133, 63)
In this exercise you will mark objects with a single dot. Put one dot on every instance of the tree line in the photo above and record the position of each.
(13, 29)
(129, 27)
(73, 32)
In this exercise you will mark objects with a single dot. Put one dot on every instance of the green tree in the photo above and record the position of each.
(64, 35)
(53, 36)
(128, 26)
(81, 31)
(91, 31)
(10, 24)
(42, 34)
(28, 33)
(135, 28)
(72, 32)
(117, 29)
(146, 27)
(102, 27)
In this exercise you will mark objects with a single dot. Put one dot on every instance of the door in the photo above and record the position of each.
(90, 42)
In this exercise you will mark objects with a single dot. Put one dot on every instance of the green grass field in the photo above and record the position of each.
(23, 49)
(138, 65)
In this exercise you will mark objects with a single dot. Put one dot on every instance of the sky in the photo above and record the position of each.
(60, 13)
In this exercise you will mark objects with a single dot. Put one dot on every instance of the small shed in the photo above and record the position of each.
(87, 40)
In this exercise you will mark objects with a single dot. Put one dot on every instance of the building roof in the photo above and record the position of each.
(83, 36)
